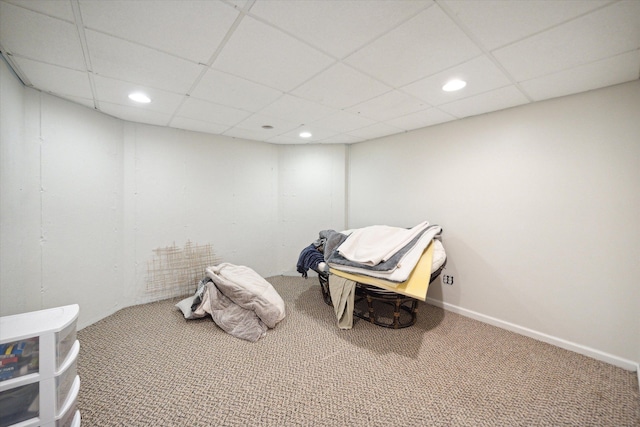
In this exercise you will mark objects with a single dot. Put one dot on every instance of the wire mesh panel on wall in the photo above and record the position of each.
(175, 271)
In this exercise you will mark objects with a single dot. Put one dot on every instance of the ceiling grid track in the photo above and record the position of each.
(212, 59)
(85, 50)
(484, 50)
(7, 57)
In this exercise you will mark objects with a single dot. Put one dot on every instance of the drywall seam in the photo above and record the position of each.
(549, 339)
(347, 186)
(135, 203)
(42, 232)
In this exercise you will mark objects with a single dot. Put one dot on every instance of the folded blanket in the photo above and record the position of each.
(405, 267)
(416, 286)
(374, 244)
(386, 266)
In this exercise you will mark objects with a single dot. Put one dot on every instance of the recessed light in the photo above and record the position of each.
(139, 97)
(305, 134)
(453, 85)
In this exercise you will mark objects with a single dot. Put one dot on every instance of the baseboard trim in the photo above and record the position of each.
(549, 339)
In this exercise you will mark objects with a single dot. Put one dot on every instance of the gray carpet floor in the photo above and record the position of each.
(148, 366)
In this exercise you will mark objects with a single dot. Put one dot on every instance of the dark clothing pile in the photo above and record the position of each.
(309, 258)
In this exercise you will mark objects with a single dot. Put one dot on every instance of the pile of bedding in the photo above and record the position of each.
(380, 251)
(238, 300)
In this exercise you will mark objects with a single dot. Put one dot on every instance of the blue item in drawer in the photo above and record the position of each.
(19, 348)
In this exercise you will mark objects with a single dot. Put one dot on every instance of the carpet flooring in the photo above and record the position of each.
(148, 366)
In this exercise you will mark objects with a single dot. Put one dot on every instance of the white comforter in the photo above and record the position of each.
(249, 290)
(374, 244)
(238, 300)
(406, 264)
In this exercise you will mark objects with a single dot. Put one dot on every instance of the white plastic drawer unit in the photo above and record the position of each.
(65, 377)
(68, 415)
(65, 339)
(39, 383)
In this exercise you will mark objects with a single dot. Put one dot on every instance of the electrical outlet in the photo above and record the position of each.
(447, 279)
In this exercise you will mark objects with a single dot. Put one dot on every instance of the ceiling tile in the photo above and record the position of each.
(39, 37)
(343, 121)
(240, 4)
(481, 75)
(495, 23)
(340, 87)
(286, 140)
(375, 131)
(252, 134)
(57, 80)
(134, 114)
(208, 112)
(421, 119)
(606, 32)
(122, 60)
(294, 138)
(188, 29)
(618, 69)
(81, 101)
(495, 100)
(317, 134)
(117, 92)
(297, 110)
(422, 46)
(233, 91)
(56, 8)
(337, 28)
(388, 106)
(341, 139)
(256, 121)
(197, 125)
(262, 54)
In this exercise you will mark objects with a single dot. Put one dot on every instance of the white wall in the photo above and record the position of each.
(20, 261)
(82, 216)
(210, 190)
(311, 197)
(61, 204)
(540, 207)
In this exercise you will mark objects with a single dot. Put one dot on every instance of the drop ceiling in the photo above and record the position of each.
(346, 71)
